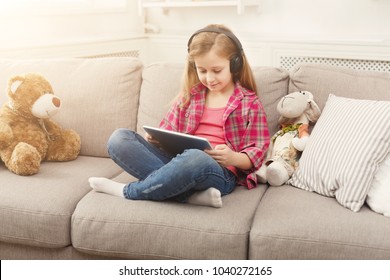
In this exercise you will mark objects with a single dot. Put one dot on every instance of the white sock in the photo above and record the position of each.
(210, 197)
(107, 186)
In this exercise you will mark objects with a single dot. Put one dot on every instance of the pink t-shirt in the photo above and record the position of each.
(211, 128)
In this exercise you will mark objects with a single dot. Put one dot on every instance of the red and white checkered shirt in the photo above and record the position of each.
(244, 125)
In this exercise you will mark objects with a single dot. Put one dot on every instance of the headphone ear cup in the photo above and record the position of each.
(236, 64)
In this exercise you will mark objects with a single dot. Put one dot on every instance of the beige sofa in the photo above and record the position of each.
(56, 215)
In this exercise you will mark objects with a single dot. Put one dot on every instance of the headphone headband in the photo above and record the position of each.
(219, 31)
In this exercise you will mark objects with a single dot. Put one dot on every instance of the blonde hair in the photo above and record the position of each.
(200, 45)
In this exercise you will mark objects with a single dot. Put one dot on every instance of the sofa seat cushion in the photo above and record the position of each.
(291, 223)
(116, 227)
(10, 251)
(36, 210)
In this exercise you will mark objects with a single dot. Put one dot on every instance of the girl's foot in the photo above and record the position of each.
(107, 186)
(210, 197)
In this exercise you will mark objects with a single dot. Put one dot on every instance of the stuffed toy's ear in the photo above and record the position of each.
(14, 83)
(314, 112)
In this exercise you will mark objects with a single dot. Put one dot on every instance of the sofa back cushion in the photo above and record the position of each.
(98, 95)
(272, 85)
(321, 80)
(161, 83)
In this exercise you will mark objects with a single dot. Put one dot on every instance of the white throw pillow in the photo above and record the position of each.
(378, 197)
(346, 146)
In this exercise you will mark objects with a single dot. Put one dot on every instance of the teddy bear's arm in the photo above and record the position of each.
(64, 144)
(6, 134)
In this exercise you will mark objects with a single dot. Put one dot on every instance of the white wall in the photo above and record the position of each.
(65, 31)
(329, 28)
(356, 28)
(335, 19)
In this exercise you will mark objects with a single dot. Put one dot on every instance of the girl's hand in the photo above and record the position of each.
(222, 154)
(227, 157)
(151, 140)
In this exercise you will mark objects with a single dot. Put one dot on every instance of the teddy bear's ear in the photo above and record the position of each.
(14, 83)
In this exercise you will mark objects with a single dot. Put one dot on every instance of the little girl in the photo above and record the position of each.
(218, 101)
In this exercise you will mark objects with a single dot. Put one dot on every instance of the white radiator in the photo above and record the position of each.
(130, 53)
(288, 62)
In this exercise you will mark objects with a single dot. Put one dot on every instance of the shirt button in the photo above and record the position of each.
(187, 115)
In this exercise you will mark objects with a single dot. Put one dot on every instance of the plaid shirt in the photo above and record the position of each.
(244, 125)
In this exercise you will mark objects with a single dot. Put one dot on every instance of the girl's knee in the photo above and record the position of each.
(197, 157)
(194, 154)
(118, 139)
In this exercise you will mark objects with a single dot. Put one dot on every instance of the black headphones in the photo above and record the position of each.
(236, 61)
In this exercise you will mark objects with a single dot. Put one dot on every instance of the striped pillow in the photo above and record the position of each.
(346, 146)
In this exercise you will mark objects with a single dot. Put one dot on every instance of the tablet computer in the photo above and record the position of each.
(176, 142)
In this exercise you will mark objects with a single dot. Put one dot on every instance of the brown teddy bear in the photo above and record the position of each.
(27, 135)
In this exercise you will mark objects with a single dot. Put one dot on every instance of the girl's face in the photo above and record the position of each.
(214, 72)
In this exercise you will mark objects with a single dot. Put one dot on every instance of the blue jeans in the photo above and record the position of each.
(163, 176)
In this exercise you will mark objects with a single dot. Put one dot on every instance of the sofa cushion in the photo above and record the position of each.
(36, 210)
(10, 251)
(321, 80)
(161, 84)
(95, 94)
(165, 230)
(291, 223)
(349, 141)
(272, 85)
